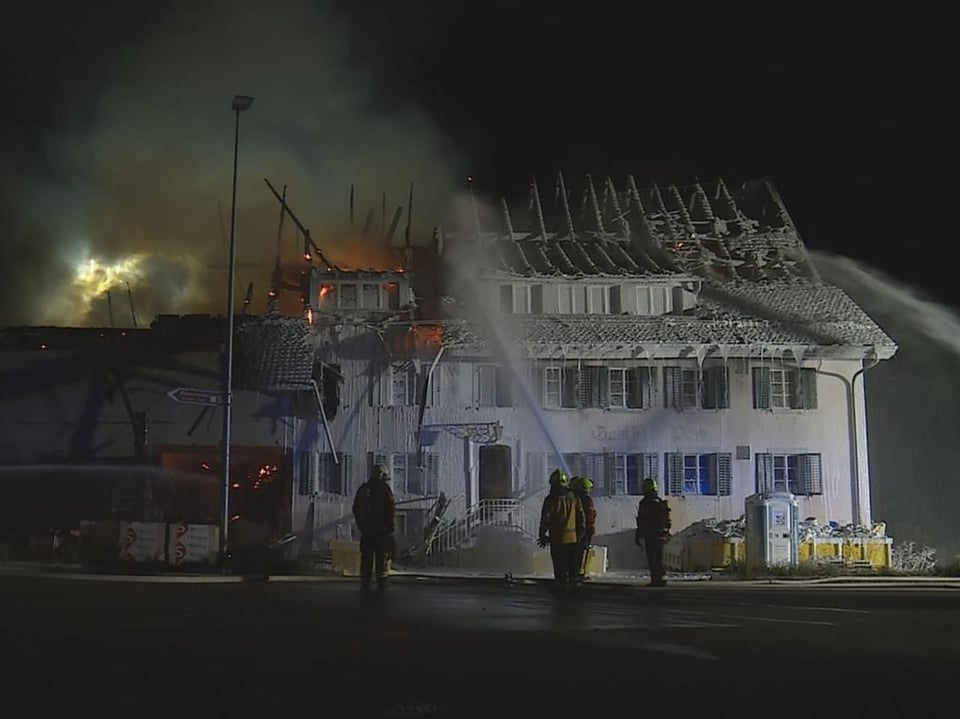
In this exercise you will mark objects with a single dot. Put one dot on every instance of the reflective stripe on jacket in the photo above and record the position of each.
(562, 518)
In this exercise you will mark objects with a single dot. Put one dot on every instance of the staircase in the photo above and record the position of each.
(520, 516)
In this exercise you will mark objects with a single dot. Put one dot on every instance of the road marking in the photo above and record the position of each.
(818, 609)
(776, 621)
(679, 650)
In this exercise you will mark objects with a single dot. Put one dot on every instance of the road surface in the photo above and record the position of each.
(472, 650)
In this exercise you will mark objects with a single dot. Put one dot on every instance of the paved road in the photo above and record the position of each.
(472, 650)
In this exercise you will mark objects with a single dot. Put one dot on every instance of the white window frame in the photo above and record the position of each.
(782, 387)
(595, 292)
(617, 398)
(406, 375)
(399, 467)
(789, 477)
(552, 376)
(521, 299)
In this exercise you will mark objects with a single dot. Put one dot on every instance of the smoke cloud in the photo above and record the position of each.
(913, 417)
(144, 189)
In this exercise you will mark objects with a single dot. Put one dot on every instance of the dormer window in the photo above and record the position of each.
(348, 296)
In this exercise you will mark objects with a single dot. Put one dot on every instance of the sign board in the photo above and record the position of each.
(142, 541)
(193, 543)
(189, 395)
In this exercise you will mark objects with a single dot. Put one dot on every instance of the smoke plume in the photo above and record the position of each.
(913, 417)
(141, 192)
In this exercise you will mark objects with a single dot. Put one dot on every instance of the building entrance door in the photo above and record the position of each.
(496, 471)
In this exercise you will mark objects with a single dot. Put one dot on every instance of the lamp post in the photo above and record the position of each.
(240, 104)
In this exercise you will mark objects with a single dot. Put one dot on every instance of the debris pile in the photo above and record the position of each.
(913, 557)
(725, 528)
(811, 529)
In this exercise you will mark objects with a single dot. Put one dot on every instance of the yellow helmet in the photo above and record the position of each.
(584, 484)
(650, 485)
(558, 478)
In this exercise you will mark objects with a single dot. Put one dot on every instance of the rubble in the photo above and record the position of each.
(913, 557)
(809, 529)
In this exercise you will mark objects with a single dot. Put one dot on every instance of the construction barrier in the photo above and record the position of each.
(597, 562)
(345, 557)
(875, 550)
(822, 550)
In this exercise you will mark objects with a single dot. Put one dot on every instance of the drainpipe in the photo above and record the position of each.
(850, 386)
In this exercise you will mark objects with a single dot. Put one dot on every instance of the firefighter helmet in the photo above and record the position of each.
(584, 484)
(380, 472)
(650, 485)
(558, 478)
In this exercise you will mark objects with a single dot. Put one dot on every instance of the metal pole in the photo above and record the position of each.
(228, 383)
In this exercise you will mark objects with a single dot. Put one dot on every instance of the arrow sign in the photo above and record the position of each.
(189, 395)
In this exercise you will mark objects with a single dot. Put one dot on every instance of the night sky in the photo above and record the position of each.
(116, 139)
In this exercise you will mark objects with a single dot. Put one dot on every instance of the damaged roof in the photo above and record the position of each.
(704, 229)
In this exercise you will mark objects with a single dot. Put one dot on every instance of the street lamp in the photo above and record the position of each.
(240, 103)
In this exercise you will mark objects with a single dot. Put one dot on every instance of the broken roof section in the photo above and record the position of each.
(706, 229)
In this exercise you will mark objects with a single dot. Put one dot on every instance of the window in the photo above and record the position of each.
(424, 479)
(393, 296)
(535, 474)
(690, 388)
(598, 300)
(626, 472)
(708, 474)
(536, 299)
(784, 388)
(335, 478)
(795, 473)
(521, 299)
(572, 300)
(595, 386)
(348, 296)
(371, 297)
(506, 298)
(494, 387)
(616, 306)
(402, 387)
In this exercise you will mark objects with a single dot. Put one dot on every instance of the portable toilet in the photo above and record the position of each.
(772, 530)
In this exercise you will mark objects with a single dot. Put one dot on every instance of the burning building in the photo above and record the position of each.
(674, 332)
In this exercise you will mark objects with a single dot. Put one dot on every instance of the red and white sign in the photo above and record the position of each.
(142, 541)
(193, 543)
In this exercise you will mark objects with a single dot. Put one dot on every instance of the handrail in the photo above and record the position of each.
(505, 513)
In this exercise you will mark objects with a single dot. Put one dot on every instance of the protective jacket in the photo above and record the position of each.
(589, 515)
(374, 508)
(562, 518)
(653, 516)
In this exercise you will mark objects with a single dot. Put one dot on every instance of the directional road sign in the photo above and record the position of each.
(189, 395)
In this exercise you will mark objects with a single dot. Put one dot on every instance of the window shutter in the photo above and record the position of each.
(764, 472)
(603, 387)
(537, 383)
(810, 475)
(716, 389)
(375, 378)
(648, 386)
(808, 388)
(415, 478)
(305, 481)
(609, 474)
(761, 388)
(672, 387)
(723, 480)
(569, 386)
(411, 386)
(650, 466)
(486, 385)
(432, 472)
(536, 471)
(674, 473)
(634, 387)
(503, 387)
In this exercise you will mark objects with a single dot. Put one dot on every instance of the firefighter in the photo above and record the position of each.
(561, 526)
(653, 530)
(581, 486)
(374, 511)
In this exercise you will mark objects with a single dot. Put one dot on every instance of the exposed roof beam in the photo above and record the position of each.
(687, 220)
(594, 204)
(618, 212)
(565, 204)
